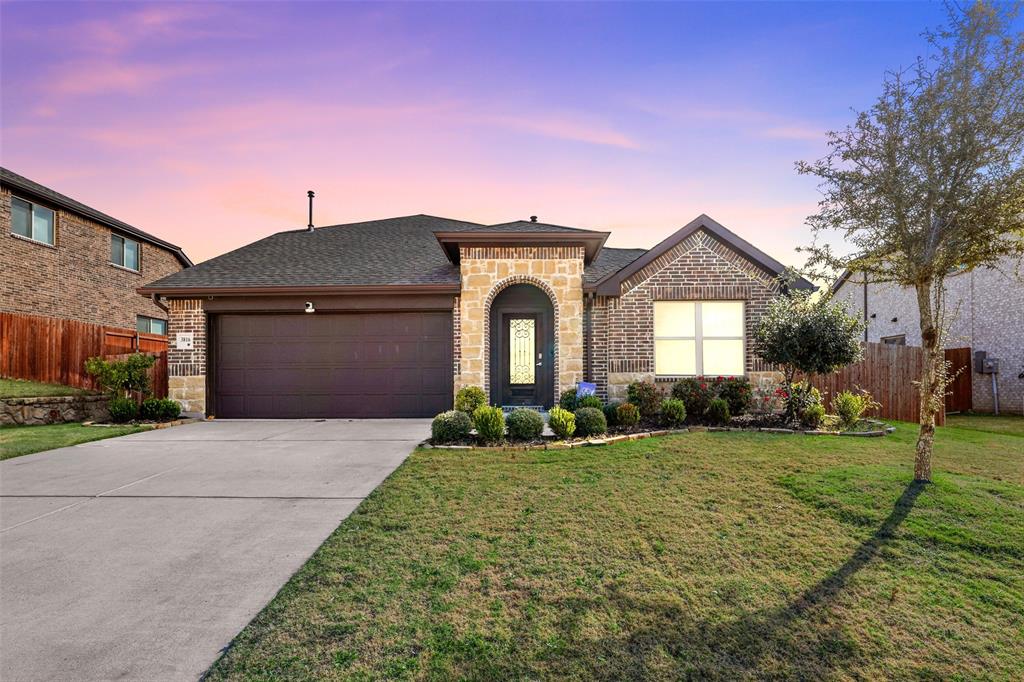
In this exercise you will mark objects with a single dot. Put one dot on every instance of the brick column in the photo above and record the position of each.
(186, 369)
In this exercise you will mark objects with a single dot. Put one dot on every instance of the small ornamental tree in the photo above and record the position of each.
(930, 179)
(122, 378)
(801, 333)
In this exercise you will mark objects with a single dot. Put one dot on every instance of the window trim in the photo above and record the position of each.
(894, 340)
(124, 241)
(150, 321)
(699, 338)
(32, 223)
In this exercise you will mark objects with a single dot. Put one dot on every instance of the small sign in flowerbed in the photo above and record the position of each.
(693, 404)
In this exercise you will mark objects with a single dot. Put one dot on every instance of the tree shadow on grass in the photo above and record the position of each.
(802, 640)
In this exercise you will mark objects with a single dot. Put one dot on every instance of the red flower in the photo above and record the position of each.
(703, 387)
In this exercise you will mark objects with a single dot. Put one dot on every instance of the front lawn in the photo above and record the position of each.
(24, 440)
(704, 555)
(22, 388)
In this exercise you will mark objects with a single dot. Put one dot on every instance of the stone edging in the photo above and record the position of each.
(562, 445)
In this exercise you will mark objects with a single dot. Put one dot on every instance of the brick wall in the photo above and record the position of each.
(74, 278)
(985, 312)
(186, 369)
(698, 268)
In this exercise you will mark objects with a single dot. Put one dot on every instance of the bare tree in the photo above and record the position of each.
(929, 180)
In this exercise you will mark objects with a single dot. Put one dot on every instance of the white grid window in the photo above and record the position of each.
(698, 338)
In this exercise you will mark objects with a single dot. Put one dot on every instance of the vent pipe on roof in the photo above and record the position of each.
(310, 195)
(533, 219)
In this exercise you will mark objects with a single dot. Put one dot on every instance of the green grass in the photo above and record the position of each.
(1010, 424)
(700, 556)
(24, 440)
(20, 388)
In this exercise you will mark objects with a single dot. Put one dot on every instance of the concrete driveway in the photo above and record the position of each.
(141, 557)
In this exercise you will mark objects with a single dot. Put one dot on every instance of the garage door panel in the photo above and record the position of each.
(333, 365)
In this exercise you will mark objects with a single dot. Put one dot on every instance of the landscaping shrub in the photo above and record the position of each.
(850, 407)
(159, 410)
(673, 412)
(122, 410)
(525, 424)
(452, 426)
(590, 421)
(801, 396)
(470, 398)
(119, 378)
(718, 412)
(611, 413)
(568, 400)
(591, 401)
(490, 423)
(628, 416)
(737, 392)
(645, 395)
(562, 422)
(812, 415)
(695, 394)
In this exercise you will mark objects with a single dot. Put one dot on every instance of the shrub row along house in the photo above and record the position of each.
(60, 258)
(389, 318)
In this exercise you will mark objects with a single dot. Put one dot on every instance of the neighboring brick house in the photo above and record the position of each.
(390, 317)
(60, 258)
(986, 313)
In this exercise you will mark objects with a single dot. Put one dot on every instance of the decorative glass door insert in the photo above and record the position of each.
(522, 349)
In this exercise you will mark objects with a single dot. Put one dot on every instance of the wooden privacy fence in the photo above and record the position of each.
(54, 351)
(889, 373)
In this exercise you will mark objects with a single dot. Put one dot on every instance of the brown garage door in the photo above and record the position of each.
(333, 365)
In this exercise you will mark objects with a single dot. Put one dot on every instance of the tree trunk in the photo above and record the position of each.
(931, 388)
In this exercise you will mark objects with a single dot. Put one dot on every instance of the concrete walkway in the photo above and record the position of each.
(142, 557)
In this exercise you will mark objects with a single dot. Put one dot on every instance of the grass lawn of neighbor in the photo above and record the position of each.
(704, 555)
(21, 388)
(24, 440)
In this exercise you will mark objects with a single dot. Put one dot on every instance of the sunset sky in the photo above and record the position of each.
(206, 123)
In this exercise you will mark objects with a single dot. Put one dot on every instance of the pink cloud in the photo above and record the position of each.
(106, 76)
(566, 128)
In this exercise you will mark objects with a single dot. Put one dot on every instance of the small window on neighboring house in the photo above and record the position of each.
(32, 221)
(124, 252)
(151, 325)
(899, 340)
(698, 337)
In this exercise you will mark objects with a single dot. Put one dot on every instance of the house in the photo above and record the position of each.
(62, 259)
(986, 314)
(388, 318)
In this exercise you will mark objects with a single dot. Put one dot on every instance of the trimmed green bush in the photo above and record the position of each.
(562, 422)
(850, 407)
(525, 424)
(737, 392)
(695, 392)
(159, 410)
(673, 412)
(452, 426)
(627, 415)
(591, 401)
(646, 397)
(469, 398)
(568, 400)
(812, 415)
(718, 412)
(490, 423)
(611, 413)
(590, 421)
(122, 410)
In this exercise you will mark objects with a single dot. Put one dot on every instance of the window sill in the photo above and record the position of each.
(121, 267)
(33, 241)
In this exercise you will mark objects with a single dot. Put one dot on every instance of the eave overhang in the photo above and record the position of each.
(590, 241)
(354, 290)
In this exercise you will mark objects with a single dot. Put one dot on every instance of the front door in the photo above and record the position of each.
(523, 360)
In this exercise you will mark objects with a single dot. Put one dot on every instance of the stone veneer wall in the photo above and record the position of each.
(186, 369)
(698, 268)
(57, 410)
(486, 271)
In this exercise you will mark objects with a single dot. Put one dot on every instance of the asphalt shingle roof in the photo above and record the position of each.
(610, 260)
(23, 184)
(526, 226)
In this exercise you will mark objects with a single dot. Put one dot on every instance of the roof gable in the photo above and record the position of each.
(611, 284)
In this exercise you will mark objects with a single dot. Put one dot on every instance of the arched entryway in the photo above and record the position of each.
(522, 347)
